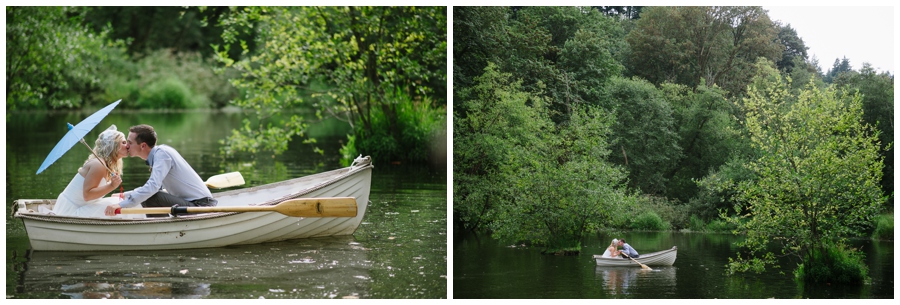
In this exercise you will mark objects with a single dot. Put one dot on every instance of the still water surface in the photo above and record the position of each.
(399, 251)
(484, 268)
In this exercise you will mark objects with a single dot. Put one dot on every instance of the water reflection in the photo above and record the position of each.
(622, 281)
(144, 290)
(333, 267)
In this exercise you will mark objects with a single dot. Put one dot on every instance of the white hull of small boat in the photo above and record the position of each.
(661, 258)
(48, 232)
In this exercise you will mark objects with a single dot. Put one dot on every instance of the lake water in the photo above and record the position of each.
(399, 251)
(485, 268)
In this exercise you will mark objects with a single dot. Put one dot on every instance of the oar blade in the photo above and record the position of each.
(318, 207)
(225, 180)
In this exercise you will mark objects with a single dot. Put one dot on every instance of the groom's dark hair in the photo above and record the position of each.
(144, 134)
(622, 240)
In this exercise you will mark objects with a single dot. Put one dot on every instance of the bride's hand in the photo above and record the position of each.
(116, 180)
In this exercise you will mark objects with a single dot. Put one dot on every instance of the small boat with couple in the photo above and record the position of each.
(274, 212)
(627, 256)
(82, 218)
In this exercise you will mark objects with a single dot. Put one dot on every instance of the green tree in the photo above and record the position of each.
(480, 36)
(494, 120)
(524, 177)
(804, 72)
(362, 64)
(685, 44)
(794, 48)
(630, 12)
(561, 190)
(52, 60)
(817, 173)
(839, 66)
(644, 140)
(579, 58)
(565, 53)
(150, 28)
(877, 90)
(708, 135)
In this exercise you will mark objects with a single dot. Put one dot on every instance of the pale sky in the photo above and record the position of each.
(862, 34)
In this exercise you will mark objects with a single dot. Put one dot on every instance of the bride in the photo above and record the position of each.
(611, 251)
(83, 197)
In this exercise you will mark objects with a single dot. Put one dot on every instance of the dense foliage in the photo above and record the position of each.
(64, 57)
(378, 68)
(669, 85)
(523, 176)
(51, 59)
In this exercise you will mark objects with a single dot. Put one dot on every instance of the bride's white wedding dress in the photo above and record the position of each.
(607, 254)
(71, 202)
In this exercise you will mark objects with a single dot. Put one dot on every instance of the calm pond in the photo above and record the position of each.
(484, 268)
(399, 251)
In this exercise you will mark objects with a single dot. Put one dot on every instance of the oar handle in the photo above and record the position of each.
(299, 207)
(143, 211)
(177, 210)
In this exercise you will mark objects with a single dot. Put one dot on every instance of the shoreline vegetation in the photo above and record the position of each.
(175, 59)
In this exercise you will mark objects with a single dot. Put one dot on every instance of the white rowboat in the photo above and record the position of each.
(661, 258)
(48, 232)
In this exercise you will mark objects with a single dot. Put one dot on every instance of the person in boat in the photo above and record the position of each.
(612, 251)
(172, 180)
(83, 197)
(627, 249)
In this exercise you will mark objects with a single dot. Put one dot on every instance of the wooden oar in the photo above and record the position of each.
(639, 263)
(225, 180)
(300, 207)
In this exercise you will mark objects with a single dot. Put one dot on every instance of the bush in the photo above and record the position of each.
(208, 88)
(718, 225)
(418, 125)
(833, 264)
(348, 151)
(884, 227)
(696, 224)
(670, 211)
(649, 221)
(167, 93)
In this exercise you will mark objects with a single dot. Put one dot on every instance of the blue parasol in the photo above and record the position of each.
(76, 134)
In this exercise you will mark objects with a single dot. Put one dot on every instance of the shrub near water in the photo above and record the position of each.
(169, 93)
(833, 264)
(418, 123)
(649, 221)
(884, 227)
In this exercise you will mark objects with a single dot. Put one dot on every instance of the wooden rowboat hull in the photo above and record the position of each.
(60, 233)
(661, 258)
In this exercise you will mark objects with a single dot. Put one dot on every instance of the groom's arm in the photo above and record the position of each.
(161, 167)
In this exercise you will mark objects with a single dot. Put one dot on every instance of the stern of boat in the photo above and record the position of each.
(32, 206)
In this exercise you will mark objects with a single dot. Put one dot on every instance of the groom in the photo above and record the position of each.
(627, 249)
(168, 171)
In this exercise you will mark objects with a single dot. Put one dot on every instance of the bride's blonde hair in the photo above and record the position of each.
(107, 148)
(614, 242)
